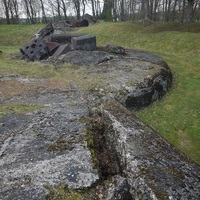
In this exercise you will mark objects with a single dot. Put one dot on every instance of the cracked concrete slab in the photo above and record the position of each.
(48, 147)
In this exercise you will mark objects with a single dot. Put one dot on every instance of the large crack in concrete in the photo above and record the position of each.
(146, 163)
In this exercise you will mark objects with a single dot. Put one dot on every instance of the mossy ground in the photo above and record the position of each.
(63, 193)
(15, 108)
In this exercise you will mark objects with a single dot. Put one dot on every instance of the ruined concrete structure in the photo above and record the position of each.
(89, 139)
(39, 49)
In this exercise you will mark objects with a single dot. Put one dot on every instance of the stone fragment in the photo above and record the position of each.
(119, 189)
(63, 49)
(47, 30)
(63, 38)
(85, 43)
(35, 50)
(115, 49)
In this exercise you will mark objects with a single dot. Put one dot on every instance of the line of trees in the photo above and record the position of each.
(33, 11)
(156, 10)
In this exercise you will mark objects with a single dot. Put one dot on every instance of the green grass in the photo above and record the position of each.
(16, 108)
(177, 116)
(17, 35)
(62, 192)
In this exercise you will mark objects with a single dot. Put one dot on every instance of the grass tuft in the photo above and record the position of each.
(16, 108)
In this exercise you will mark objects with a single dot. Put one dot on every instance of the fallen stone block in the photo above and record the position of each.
(63, 38)
(85, 43)
(63, 49)
(35, 50)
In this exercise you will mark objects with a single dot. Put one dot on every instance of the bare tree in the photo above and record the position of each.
(107, 10)
(83, 7)
(145, 9)
(93, 3)
(31, 8)
(190, 10)
(77, 6)
(44, 19)
(14, 11)
(166, 10)
(6, 7)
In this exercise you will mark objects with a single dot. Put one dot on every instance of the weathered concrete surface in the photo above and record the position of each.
(48, 147)
(84, 43)
(63, 38)
(136, 79)
(153, 168)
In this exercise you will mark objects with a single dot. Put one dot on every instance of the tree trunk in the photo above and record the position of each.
(155, 10)
(145, 10)
(6, 11)
(83, 3)
(183, 12)
(16, 9)
(93, 6)
(173, 17)
(122, 11)
(115, 10)
(77, 9)
(43, 12)
(64, 9)
(32, 11)
(190, 13)
(27, 12)
(58, 10)
(107, 10)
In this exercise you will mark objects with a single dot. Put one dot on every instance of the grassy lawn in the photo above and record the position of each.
(177, 116)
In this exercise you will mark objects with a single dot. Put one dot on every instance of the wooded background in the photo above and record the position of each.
(34, 11)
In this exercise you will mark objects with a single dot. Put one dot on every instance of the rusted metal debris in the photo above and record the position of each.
(52, 47)
(82, 23)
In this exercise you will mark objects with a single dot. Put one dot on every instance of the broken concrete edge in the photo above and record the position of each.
(62, 49)
(85, 43)
(47, 30)
(150, 89)
(64, 38)
(152, 167)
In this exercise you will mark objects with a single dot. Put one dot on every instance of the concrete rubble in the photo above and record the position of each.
(57, 44)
